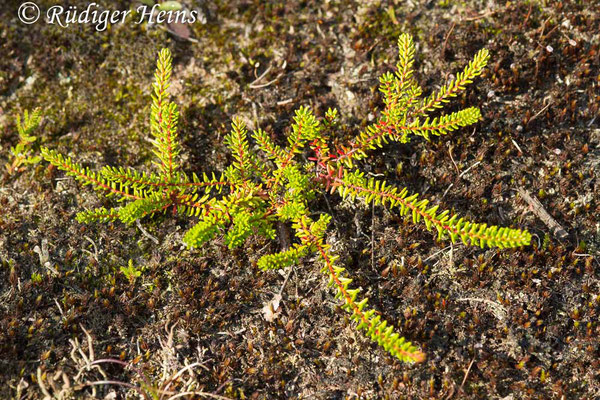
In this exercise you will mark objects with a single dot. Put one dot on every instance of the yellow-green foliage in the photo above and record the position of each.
(261, 189)
(23, 153)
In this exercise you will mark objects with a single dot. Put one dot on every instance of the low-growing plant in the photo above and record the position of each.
(163, 376)
(36, 277)
(261, 189)
(150, 389)
(23, 153)
(131, 272)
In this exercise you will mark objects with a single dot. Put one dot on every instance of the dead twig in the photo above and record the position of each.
(538, 113)
(466, 375)
(460, 175)
(480, 16)
(452, 158)
(468, 169)
(261, 76)
(538, 209)
(145, 232)
(266, 84)
(498, 309)
(256, 85)
(284, 102)
(527, 16)
(516, 145)
(272, 309)
(446, 38)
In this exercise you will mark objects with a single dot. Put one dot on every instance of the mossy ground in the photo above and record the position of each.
(520, 323)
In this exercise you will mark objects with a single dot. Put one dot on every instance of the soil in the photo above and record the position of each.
(495, 324)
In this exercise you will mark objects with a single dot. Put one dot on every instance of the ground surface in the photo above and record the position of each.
(512, 325)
